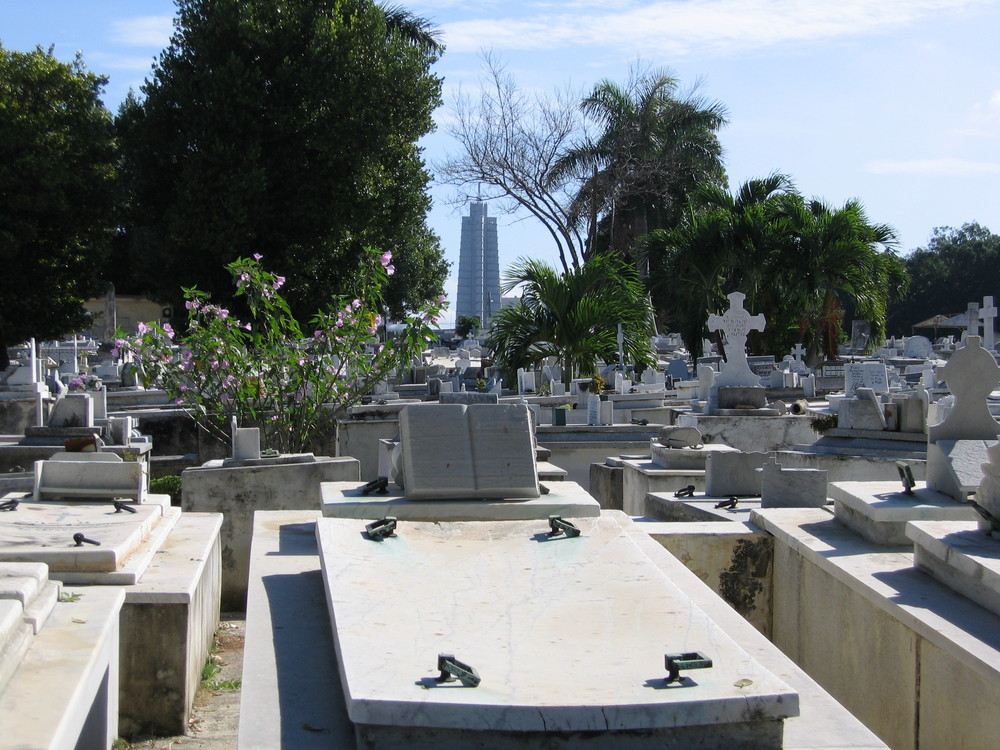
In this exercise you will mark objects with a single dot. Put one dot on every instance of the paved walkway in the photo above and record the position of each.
(214, 723)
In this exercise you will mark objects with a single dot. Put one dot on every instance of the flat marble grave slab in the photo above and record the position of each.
(42, 531)
(567, 634)
(961, 556)
(879, 511)
(567, 499)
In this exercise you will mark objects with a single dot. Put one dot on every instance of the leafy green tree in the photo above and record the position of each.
(573, 316)
(958, 266)
(57, 172)
(724, 243)
(290, 128)
(839, 255)
(653, 147)
(465, 325)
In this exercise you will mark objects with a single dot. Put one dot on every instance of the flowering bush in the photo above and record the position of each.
(265, 371)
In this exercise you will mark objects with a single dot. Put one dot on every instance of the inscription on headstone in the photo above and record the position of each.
(865, 375)
(736, 323)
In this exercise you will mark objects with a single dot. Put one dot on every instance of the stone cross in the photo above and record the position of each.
(988, 313)
(798, 351)
(736, 323)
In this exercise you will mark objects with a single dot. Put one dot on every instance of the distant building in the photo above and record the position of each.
(478, 266)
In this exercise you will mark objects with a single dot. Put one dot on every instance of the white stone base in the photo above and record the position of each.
(879, 511)
(345, 500)
(961, 556)
(65, 692)
(914, 660)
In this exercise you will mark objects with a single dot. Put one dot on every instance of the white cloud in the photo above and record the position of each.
(681, 26)
(143, 31)
(944, 167)
(103, 61)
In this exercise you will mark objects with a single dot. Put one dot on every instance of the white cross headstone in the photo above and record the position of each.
(988, 313)
(798, 351)
(736, 323)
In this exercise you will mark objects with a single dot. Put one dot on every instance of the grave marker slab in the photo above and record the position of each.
(865, 375)
(454, 451)
(452, 588)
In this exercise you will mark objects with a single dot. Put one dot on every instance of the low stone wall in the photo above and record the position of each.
(238, 491)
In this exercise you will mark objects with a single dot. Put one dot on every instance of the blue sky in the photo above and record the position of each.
(896, 103)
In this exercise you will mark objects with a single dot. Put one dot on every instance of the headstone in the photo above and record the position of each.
(860, 335)
(861, 413)
(798, 351)
(792, 488)
(808, 383)
(453, 451)
(971, 374)
(72, 410)
(988, 314)
(865, 375)
(972, 316)
(678, 369)
(593, 409)
(736, 323)
(706, 379)
(246, 443)
(733, 474)
(525, 381)
(919, 347)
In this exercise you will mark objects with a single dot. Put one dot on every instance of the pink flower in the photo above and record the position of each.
(247, 326)
(168, 330)
(179, 401)
(385, 259)
(192, 304)
(257, 256)
(390, 269)
(143, 328)
(278, 282)
(317, 334)
(356, 304)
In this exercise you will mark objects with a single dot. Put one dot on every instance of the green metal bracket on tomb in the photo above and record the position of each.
(452, 669)
(906, 477)
(674, 663)
(558, 525)
(379, 530)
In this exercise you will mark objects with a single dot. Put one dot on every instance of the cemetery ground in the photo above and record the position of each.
(215, 717)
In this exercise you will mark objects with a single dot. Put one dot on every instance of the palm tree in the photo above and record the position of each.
(724, 243)
(838, 255)
(573, 316)
(651, 150)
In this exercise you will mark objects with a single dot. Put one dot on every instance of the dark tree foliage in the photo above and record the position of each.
(957, 267)
(56, 194)
(286, 128)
